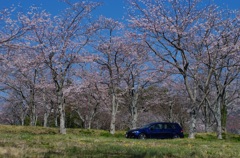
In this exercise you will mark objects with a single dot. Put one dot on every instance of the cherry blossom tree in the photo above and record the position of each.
(140, 74)
(228, 66)
(182, 34)
(88, 97)
(11, 28)
(112, 52)
(20, 77)
(13, 110)
(61, 42)
(136, 79)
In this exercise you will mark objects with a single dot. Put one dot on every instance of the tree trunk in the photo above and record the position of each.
(218, 118)
(23, 116)
(62, 114)
(89, 123)
(206, 118)
(47, 109)
(22, 121)
(224, 114)
(33, 116)
(224, 118)
(62, 120)
(32, 105)
(114, 113)
(82, 118)
(170, 118)
(45, 119)
(56, 119)
(192, 125)
(92, 116)
(134, 110)
(193, 113)
(113, 122)
(134, 117)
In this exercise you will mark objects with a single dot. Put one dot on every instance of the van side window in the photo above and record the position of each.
(169, 126)
(156, 126)
(160, 126)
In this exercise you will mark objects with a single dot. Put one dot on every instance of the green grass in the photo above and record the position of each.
(18, 141)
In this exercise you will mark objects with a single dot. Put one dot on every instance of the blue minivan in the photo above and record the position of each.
(157, 130)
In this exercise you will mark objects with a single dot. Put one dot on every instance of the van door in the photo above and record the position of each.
(156, 131)
(168, 130)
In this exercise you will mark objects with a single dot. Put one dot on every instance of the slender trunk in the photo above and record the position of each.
(46, 110)
(36, 119)
(33, 114)
(89, 123)
(46, 115)
(170, 118)
(82, 118)
(23, 116)
(45, 119)
(61, 107)
(192, 125)
(193, 113)
(85, 122)
(218, 118)
(91, 117)
(224, 114)
(88, 114)
(114, 113)
(113, 122)
(62, 120)
(134, 110)
(56, 119)
(224, 118)
(206, 91)
(22, 121)
(206, 119)
(32, 105)
(134, 117)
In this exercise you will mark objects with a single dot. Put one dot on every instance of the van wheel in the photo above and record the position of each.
(142, 136)
(176, 137)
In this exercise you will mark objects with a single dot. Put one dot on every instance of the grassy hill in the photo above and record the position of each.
(19, 141)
